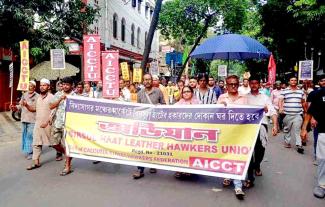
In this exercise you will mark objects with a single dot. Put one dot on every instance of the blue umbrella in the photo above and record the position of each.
(231, 47)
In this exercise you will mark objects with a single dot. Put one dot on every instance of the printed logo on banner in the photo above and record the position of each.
(92, 58)
(111, 71)
(24, 66)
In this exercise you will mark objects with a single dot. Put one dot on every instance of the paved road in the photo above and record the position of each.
(287, 180)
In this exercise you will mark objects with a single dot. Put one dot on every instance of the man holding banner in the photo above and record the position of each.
(58, 103)
(148, 95)
(260, 99)
(233, 97)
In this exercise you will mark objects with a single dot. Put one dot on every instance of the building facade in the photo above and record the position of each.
(123, 25)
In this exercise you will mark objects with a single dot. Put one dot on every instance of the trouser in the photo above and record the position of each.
(280, 121)
(315, 132)
(320, 154)
(256, 159)
(292, 125)
(27, 137)
(37, 151)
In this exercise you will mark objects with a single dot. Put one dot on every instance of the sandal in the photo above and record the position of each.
(138, 174)
(226, 182)
(248, 184)
(34, 166)
(178, 175)
(66, 172)
(153, 170)
(239, 194)
(258, 173)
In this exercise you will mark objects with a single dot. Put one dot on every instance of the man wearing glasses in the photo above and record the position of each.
(233, 97)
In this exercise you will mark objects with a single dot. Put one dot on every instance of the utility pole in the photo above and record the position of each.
(153, 26)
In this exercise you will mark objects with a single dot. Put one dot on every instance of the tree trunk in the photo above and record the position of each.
(153, 26)
(197, 41)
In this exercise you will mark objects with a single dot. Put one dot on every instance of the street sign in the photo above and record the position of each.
(222, 70)
(306, 70)
(57, 59)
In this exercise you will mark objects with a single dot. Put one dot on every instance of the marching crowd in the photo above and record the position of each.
(294, 109)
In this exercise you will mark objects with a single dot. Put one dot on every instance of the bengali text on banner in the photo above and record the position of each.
(212, 140)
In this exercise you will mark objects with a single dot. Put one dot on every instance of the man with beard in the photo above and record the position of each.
(222, 86)
(204, 94)
(148, 95)
(42, 129)
(193, 83)
(58, 102)
(212, 85)
(156, 84)
(244, 89)
(27, 119)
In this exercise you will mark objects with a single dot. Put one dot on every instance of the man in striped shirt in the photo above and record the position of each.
(292, 105)
(204, 94)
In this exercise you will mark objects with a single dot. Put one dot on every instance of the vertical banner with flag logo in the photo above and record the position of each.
(125, 71)
(24, 66)
(137, 75)
(91, 58)
(272, 70)
(111, 72)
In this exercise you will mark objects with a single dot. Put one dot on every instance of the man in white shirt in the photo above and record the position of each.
(244, 89)
(258, 99)
(126, 95)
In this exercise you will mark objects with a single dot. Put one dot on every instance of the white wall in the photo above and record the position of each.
(124, 9)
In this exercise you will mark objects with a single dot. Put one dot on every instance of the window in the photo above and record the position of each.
(145, 37)
(139, 5)
(132, 34)
(134, 3)
(147, 10)
(123, 30)
(138, 37)
(151, 12)
(115, 18)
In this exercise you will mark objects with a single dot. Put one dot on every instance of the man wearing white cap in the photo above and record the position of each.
(27, 119)
(42, 129)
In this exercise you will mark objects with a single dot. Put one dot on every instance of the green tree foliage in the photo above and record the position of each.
(45, 23)
(188, 20)
(287, 24)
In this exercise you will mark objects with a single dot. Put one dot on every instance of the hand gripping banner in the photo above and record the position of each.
(210, 140)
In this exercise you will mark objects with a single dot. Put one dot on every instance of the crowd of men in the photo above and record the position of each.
(286, 107)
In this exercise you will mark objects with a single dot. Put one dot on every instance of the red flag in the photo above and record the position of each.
(92, 57)
(111, 71)
(272, 70)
